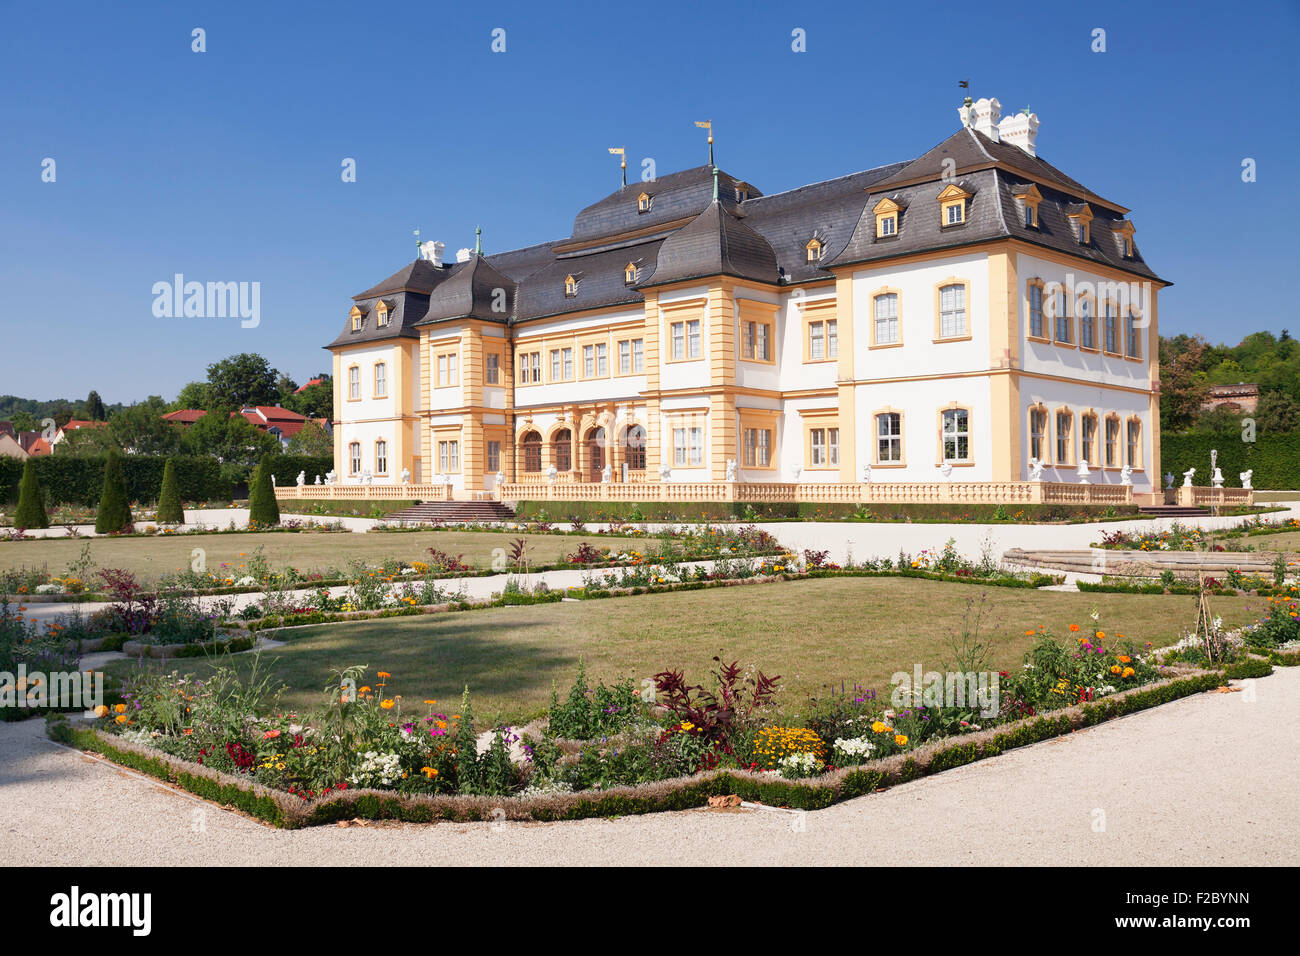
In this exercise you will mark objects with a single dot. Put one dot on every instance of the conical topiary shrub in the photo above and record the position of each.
(170, 510)
(263, 509)
(114, 510)
(31, 501)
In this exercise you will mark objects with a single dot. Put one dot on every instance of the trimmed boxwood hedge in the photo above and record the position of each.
(1274, 456)
(286, 810)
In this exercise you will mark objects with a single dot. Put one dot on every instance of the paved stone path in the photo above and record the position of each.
(1205, 781)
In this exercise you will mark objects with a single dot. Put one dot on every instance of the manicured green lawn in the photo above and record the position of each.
(812, 633)
(148, 558)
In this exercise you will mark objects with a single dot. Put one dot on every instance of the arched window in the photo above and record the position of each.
(634, 448)
(562, 446)
(596, 452)
(629, 273)
(570, 286)
(354, 457)
(381, 457)
(531, 444)
(643, 202)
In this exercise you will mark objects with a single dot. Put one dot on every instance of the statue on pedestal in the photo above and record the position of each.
(1035, 469)
(731, 469)
(1245, 477)
(1126, 476)
(606, 475)
(866, 472)
(302, 478)
(1187, 477)
(1084, 471)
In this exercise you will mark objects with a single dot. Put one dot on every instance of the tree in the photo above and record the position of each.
(1182, 386)
(31, 501)
(170, 510)
(114, 510)
(314, 401)
(193, 395)
(263, 509)
(228, 438)
(1277, 412)
(141, 430)
(242, 380)
(285, 386)
(95, 410)
(311, 439)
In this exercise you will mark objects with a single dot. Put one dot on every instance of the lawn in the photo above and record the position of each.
(812, 633)
(148, 558)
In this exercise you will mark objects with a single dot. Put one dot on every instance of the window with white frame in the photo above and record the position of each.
(449, 456)
(952, 311)
(381, 457)
(1062, 317)
(354, 382)
(1064, 427)
(354, 457)
(447, 373)
(1110, 331)
(492, 369)
(530, 368)
(1134, 436)
(381, 380)
(493, 456)
(1112, 443)
(688, 446)
(889, 438)
(886, 318)
(1132, 344)
(1036, 311)
(956, 434)
(823, 447)
(1087, 439)
(756, 341)
(561, 365)
(631, 356)
(1087, 327)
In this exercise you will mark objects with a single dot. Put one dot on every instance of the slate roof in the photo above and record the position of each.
(687, 234)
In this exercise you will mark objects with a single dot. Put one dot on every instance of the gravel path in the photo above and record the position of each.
(1210, 780)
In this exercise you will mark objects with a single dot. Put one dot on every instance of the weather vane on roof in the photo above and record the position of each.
(417, 240)
(707, 124)
(621, 152)
(478, 241)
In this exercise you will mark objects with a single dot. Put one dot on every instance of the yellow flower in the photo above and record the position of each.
(900, 739)
(119, 708)
(878, 727)
(386, 704)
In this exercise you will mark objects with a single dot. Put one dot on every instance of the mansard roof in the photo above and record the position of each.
(686, 234)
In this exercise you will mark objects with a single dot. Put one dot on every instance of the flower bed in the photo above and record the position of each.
(285, 809)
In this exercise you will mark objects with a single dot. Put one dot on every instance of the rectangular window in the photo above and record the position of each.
(1063, 422)
(1087, 329)
(567, 355)
(1036, 310)
(956, 435)
(1037, 433)
(530, 368)
(449, 456)
(1112, 443)
(889, 438)
(886, 315)
(678, 330)
(756, 341)
(1062, 319)
(588, 361)
(354, 456)
(817, 448)
(492, 370)
(381, 380)
(832, 338)
(833, 445)
(952, 311)
(625, 357)
(638, 355)
(1087, 438)
(1134, 444)
(688, 447)
(954, 214)
(693, 338)
(381, 457)
(1112, 335)
(816, 342)
(888, 225)
(354, 382)
(493, 456)
(758, 447)
(555, 365)
(1131, 336)
(602, 360)
(446, 370)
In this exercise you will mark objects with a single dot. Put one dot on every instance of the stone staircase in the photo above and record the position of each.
(1173, 511)
(451, 512)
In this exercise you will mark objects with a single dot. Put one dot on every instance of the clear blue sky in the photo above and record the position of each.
(225, 165)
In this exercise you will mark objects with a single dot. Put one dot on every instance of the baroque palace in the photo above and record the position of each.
(971, 316)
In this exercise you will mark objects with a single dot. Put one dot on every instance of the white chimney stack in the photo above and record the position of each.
(1020, 130)
(462, 255)
(982, 116)
(432, 251)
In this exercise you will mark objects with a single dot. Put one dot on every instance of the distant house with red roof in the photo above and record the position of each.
(308, 384)
(74, 424)
(277, 421)
(21, 445)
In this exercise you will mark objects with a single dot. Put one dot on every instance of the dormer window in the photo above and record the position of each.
(643, 202)
(358, 318)
(814, 250)
(742, 192)
(629, 273)
(888, 214)
(952, 205)
(1081, 219)
(1027, 198)
(381, 315)
(570, 287)
(1123, 230)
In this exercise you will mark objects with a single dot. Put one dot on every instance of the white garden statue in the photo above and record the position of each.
(406, 476)
(866, 472)
(501, 478)
(1187, 477)
(1217, 478)
(1126, 476)
(731, 469)
(1245, 477)
(1084, 471)
(1035, 469)
(317, 479)
(331, 476)
(368, 477)
(946, 470)
(272, 480)
(552, 473)
(606, 475)
(798, 469)
(665, 471)
(302, 478)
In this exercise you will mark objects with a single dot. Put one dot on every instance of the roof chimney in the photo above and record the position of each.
(432, 250)
(1020, 130)
(987, 112)
(462, 255)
